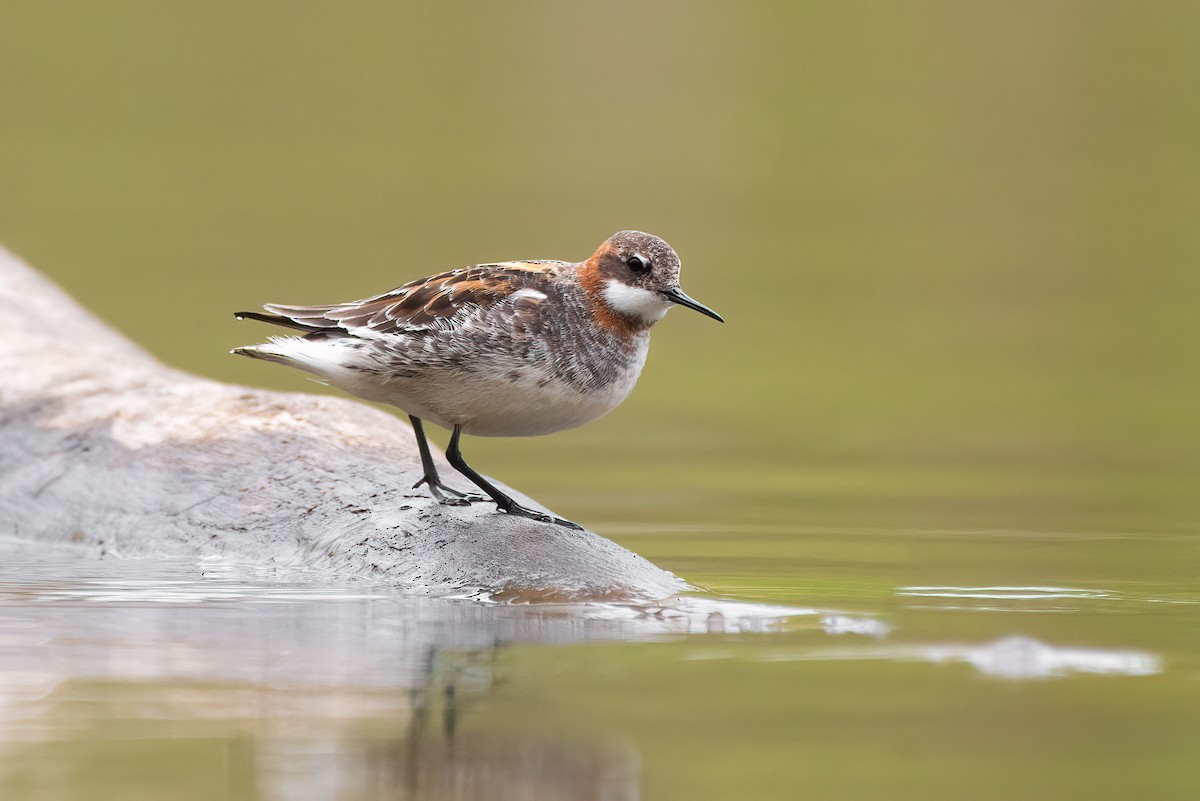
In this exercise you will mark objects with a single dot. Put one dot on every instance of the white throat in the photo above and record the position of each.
(635, 301)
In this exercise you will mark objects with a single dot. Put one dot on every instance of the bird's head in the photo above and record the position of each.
(635, 276)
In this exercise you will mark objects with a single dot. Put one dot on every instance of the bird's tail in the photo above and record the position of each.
(321, 356)
(270, 352)
(309, 352)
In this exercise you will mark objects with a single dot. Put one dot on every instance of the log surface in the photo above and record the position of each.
(103, 446)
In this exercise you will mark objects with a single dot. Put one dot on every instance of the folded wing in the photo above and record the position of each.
(441, 301)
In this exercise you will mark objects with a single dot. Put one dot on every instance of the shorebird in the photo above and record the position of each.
(513, 349)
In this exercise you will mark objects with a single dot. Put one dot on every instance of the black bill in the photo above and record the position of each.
(675, 295)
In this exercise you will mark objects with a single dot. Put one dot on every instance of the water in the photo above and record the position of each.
(140, 678)
(955, 244)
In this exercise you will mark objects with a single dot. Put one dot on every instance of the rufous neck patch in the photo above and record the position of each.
(603, 314)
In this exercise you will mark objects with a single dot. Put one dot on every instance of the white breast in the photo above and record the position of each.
(522, 403)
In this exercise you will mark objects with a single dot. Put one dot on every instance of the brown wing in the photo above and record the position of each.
(439, 300)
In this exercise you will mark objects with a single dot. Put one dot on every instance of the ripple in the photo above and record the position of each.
(1027, 658)
(1013, 658)
(1007, 593)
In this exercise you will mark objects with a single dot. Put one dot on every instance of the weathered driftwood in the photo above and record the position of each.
(101, 445)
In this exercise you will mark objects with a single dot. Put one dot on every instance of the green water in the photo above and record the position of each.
(956, 247)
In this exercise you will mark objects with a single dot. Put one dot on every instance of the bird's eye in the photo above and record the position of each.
(639, 264)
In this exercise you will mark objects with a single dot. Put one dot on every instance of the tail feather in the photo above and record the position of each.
(265, 352)
(315, 353)
(294, 351)
(276, 319)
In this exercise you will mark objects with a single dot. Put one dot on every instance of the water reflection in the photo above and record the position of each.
(1008, 658)
(314, 691)
(1027, 658)
(281, 686)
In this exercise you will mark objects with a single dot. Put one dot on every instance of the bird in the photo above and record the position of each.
(508, 349)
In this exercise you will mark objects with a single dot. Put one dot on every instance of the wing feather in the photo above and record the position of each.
(441, 301)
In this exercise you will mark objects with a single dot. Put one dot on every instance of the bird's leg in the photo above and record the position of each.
(442, 493)
(506, 504)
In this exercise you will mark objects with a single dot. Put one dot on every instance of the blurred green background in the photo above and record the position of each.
(955, 242)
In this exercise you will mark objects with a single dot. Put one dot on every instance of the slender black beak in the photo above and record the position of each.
(675, 295)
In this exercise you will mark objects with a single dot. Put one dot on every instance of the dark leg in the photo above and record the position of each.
(505, 503)
(443, 494)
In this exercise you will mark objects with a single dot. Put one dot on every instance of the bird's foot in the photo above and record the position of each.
(448, 496)
(514, 508)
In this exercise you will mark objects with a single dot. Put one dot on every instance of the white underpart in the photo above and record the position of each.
(503, 398)
(635, 301)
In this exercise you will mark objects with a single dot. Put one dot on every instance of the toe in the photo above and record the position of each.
(521, 511)
(469, 497)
